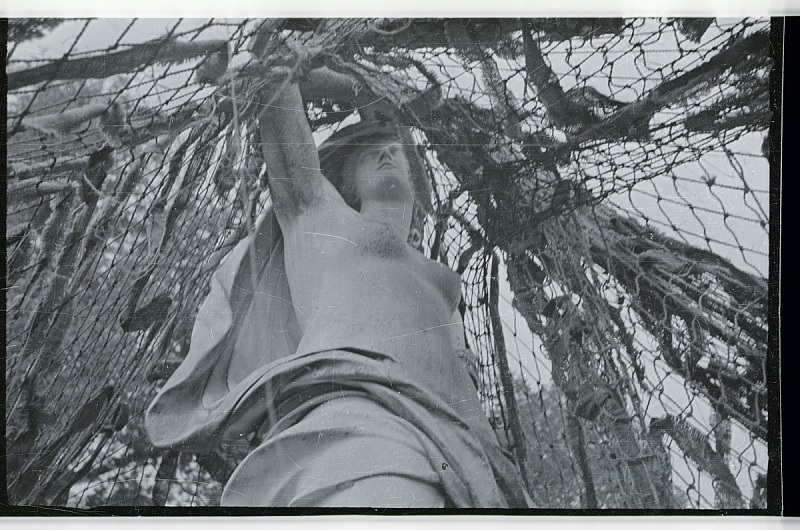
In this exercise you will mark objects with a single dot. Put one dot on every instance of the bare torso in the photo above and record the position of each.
(356, 284)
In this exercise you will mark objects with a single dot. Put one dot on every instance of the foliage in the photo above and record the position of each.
(126, 193)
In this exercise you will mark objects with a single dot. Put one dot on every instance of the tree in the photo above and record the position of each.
(139, 189)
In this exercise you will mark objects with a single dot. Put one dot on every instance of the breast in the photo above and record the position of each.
(444, 279)
(377, 239)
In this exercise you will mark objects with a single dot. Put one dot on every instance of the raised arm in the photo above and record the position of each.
(295, 180)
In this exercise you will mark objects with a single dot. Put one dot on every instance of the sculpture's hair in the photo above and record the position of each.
(338, 152)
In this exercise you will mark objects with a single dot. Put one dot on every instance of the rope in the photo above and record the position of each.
(616, 168)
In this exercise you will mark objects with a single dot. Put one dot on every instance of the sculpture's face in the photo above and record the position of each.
(379, 172)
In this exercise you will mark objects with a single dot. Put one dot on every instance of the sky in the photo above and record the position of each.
(643, 200)
(356, 8)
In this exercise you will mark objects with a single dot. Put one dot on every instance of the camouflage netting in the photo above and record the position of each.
(601, 185)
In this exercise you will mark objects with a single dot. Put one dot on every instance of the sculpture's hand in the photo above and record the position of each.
(288, 60)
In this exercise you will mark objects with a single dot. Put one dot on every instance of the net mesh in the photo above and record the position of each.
(600, 184)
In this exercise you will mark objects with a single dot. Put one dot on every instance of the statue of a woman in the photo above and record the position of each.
(348, 356)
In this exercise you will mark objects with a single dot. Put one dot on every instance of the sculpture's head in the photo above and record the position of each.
(377, 161)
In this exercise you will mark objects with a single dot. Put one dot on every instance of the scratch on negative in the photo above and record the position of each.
(422, 330)
(331, 235)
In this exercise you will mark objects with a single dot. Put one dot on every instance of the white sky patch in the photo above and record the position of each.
(679, 198)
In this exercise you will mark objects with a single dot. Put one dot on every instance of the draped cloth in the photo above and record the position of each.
(473, 471)
(202, 406)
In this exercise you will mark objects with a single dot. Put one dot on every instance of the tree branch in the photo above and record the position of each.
(635, 115)
(520, 449)
(160, 50)
(429, 33)
(543, 80)
(632, 119)
(579, 446)
(27, 190)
